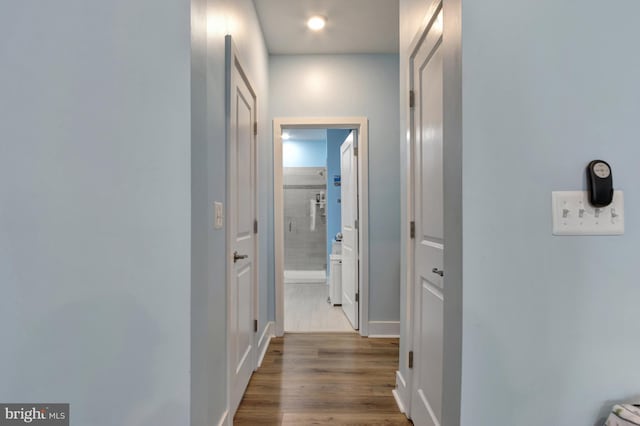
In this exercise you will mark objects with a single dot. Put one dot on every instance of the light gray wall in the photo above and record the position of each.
(211, 21)
(94, 208)
(355, 85)
(548, 86)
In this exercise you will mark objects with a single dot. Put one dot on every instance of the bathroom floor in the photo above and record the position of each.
(306, 309)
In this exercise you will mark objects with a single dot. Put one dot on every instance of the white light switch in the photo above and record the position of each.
(573, 215)
(219, 215)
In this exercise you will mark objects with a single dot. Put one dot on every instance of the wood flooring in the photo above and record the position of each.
(324, 379)
(306, 310)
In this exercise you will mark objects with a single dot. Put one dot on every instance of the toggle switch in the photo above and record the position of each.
(589, 220)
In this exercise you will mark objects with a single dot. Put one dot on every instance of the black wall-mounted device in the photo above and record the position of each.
(599, 183)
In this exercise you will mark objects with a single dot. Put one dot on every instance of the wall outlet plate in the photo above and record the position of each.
(573, 215)
(218, 219)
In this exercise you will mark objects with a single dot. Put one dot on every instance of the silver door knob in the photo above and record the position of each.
(438, 271)
(237, 256)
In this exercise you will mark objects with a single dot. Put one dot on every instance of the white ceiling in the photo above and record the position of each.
(353, 26)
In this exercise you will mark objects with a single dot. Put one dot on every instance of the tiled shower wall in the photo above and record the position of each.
(304, 249)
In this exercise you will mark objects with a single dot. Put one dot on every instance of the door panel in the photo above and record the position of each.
(244, 329)
(349, 215)
(427, 137)
(244, 175)
(431, 150)
(241, 216)
(426, 407)
(431, 346)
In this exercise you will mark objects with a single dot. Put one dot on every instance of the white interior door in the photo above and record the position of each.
(241, 217)
(349, 214)
(427, 76)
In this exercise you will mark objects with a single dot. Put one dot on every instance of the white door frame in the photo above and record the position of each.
(232, 59)
(360, 124)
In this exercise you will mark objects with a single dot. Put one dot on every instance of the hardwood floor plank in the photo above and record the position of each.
(293, 388)
(291, 419)
(324, 379)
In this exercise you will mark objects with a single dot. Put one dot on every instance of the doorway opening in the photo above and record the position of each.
(312, 230)
(320, 177)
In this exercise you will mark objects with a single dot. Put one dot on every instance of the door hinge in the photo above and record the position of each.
(357, 297)
(412, 229)
(255, 326)
(255, 128)
(356, 224)
(410, 359)
(255, 226)
(355, 151)
(412, 99)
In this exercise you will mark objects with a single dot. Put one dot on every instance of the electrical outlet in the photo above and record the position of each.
(573, 215)
(218, 220)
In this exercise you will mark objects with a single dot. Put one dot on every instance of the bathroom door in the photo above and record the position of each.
(349, 196)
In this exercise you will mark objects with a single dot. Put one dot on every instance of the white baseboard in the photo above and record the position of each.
(265, 339)
(263, 345)
(384, 329)
(398, 402)
(224, 421)
(401, 393)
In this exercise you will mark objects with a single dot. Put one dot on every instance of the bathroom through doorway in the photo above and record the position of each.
(314, 214)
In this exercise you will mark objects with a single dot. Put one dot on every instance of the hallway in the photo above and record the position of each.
(324, 379)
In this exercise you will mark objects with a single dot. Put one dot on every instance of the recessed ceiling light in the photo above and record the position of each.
(285, 136)
(316, 23)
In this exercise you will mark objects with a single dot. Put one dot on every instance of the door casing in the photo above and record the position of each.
(360, 124)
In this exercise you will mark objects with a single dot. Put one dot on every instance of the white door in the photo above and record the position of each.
(241, 217)
(349, 214)
(427, 82)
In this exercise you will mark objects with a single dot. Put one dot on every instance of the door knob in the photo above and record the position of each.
(237, 256)
(438, 271)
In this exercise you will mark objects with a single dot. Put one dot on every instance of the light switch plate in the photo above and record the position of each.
(218, 221)
(573, 215)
